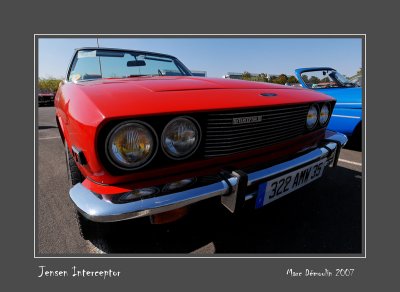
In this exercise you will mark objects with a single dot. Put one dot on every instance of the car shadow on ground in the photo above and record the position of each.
(325, 217)
(46, 127)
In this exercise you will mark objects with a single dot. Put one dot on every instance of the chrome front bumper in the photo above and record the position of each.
(232, 190)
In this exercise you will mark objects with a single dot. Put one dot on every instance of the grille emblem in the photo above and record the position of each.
(246, 120)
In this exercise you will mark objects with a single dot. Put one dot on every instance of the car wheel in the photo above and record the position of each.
(89, 230)
(355, 141)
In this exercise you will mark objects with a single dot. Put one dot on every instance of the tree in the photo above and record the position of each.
(49, 85)
(273, 79)
(314, 80)
(292, 80)
(282, 79)
(246, 75)
(262, 77)
(305, 78)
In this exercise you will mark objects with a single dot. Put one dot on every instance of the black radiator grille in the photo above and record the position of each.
(233, 132)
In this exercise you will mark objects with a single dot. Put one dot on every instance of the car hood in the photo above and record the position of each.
(176, 83)
(163, 95)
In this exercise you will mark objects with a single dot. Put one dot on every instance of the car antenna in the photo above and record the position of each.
(101, 71)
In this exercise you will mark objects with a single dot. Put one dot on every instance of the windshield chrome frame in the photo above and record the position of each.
(176, 60)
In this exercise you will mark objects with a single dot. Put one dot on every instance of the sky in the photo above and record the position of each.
(218, 56)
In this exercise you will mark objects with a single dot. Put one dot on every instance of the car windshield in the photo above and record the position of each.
(100, 63)
(326, 79)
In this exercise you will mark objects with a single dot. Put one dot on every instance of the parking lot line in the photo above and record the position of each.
(48, 138)
(350, 162)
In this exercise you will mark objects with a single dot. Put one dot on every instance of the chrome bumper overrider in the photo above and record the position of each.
(232, 190)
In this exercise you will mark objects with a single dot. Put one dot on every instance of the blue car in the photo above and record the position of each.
(347, 114)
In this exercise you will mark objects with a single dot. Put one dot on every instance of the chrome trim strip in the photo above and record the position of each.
(348, 117)
(96, 209)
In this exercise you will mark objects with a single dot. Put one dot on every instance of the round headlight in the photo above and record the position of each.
(180, 138)
(324, 114)
(312, 117)
(131, 145)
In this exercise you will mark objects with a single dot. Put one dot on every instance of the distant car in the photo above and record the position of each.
(293, 84)
(46, 99)
(142, 143)
(347, 114)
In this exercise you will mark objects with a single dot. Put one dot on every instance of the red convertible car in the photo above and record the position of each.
(143, 137)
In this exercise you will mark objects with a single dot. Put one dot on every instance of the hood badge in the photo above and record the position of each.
(246, 120)
(268, 94)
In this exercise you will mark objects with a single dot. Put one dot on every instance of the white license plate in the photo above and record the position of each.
(285, 184)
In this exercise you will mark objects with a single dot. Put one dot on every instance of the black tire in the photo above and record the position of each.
(89, 230)
(355, 141)
(358, 137)
(73, 172)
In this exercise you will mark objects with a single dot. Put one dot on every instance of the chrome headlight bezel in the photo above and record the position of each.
(192, 151)
(123, 166)
(328, 105)
(316, 119)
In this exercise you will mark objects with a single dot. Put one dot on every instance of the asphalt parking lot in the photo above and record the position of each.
(324, 217)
